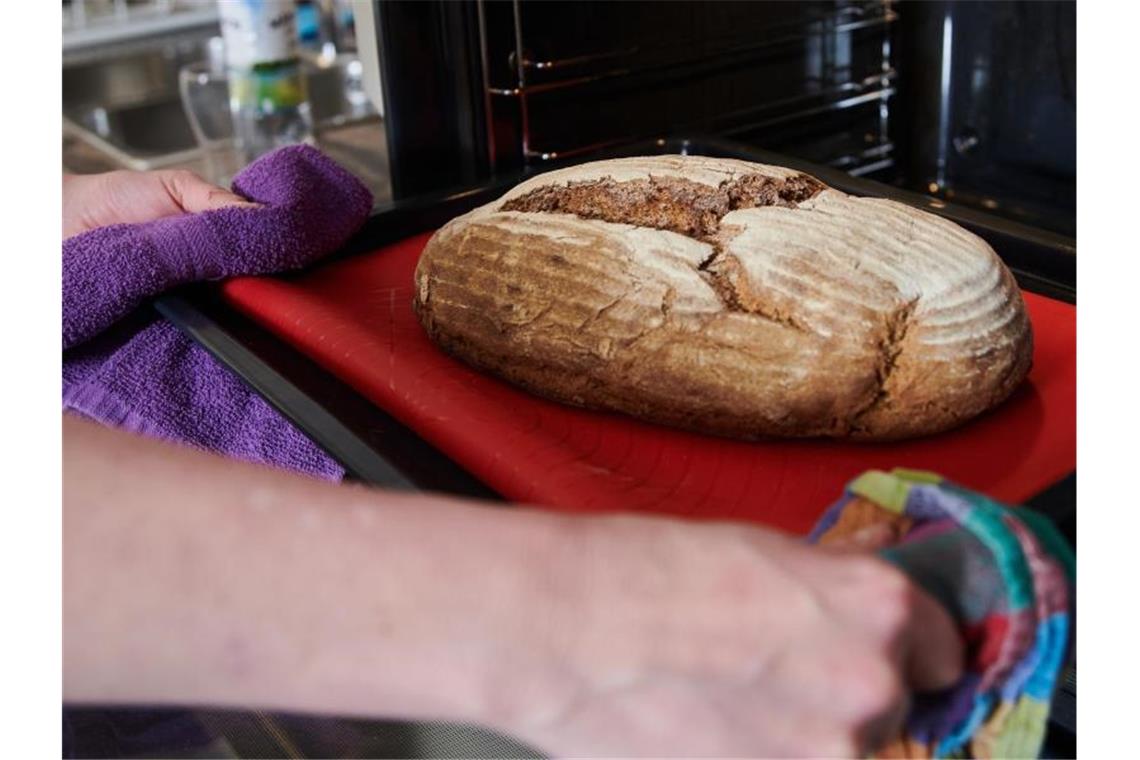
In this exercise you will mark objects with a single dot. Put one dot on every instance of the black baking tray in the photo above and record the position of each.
(377, 449)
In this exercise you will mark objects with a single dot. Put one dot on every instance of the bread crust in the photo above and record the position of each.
(728, 298)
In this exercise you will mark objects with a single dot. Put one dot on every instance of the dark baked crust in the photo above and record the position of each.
(666, 203)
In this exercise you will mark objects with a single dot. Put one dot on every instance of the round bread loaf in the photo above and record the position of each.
(729, 298)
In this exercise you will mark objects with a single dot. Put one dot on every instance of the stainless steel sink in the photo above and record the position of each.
(125, 103)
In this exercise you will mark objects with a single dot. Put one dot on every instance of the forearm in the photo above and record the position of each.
(191, 579)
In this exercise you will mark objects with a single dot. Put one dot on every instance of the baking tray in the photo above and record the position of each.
(354, 317)
(376, 448)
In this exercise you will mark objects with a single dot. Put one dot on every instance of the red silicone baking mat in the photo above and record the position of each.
(354, 317)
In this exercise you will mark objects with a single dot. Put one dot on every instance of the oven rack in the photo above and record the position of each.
(828, 89)
(868, 15)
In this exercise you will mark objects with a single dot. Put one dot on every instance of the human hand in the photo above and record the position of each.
(128, 197)
(716, 639)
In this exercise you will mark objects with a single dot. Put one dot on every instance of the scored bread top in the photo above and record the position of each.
(729, 297)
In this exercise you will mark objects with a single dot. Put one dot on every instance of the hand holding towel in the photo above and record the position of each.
(311, 207)
(128, 368)
(1005, 574)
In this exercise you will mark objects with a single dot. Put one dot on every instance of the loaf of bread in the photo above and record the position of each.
(729, 298)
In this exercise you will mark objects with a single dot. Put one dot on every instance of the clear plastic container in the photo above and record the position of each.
(269, 104)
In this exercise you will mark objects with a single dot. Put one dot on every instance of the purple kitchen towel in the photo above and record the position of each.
(130, 369)
(312, 206)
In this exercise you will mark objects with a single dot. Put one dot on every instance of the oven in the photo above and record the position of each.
(969, 102)
(966, 109)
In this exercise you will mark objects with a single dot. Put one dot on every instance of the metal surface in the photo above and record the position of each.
(741, 53)
(433, 94)
(97, 732)
(988, 106)
(758, 71)
(499, 86)
(127, 104)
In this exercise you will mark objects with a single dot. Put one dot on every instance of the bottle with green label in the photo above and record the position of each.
(268, 100)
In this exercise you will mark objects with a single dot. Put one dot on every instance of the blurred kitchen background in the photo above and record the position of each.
(973, 102)
(144, 87)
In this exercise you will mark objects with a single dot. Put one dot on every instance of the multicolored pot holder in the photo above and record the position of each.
(1006, 575)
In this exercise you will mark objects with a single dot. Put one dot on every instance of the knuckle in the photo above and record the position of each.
(894, 612)
(184, 176)
(890, 595)
(881, 575)
(873, 687)
(182, 181)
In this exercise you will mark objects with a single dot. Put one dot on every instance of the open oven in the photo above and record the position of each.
(964, 109)
(972, 102)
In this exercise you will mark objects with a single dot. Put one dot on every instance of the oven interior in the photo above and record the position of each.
(972, 102)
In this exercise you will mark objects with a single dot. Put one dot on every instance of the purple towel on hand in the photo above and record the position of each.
(144, 375)
(312, 206)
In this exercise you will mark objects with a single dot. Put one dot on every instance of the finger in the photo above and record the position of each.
(884, 730)
(194, 194)
(935, 654)
(870, 538)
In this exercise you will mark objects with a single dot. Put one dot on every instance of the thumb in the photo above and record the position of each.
(194, 194)
(866, 539)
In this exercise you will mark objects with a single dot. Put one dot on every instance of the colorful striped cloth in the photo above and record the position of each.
(1006, 575)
